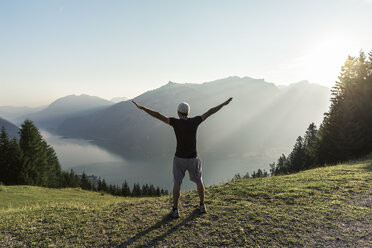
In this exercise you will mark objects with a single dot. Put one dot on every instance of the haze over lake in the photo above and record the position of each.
(81, 155)
(117, 142)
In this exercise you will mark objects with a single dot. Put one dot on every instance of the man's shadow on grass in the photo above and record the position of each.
(166, 219)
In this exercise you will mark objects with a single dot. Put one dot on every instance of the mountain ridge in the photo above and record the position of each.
(66, 107)
(125, 128)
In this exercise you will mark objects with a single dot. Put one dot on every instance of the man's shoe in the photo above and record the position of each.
(174, 213)
(202, 208)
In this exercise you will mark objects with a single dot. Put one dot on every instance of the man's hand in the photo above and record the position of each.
(215, 109)
(138, 105)
(228, 101)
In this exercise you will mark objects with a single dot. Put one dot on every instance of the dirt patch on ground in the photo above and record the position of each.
(353, 232)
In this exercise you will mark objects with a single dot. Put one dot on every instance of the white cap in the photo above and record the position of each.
(184, 108)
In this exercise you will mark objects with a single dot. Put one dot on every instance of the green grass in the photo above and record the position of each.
(15, 198)
(323, 207)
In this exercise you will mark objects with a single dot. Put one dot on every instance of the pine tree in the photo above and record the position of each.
(136, 191)
(85, 182)
(74, 180)
(145, 190)
(297, 157)
(125, 190)
(35, 170)
(14, 163)
(281, 166)
(104, 186)
(64, 180)
(111, 189)
(259, 173)
(311, 146)
(152, 190)
(54, 168)
(4, 149)
(345, 131)
(99, 187)
(157, 191)
(118, 190)
(237, 177)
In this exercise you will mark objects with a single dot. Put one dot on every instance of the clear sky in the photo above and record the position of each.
(52, 48)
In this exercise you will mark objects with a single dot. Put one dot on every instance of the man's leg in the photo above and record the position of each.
(176, 194)
(201, 191)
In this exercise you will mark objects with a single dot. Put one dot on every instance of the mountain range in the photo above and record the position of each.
(262, 118)
(66, 107)
(262, 122)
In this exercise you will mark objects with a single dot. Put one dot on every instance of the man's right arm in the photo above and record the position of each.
(215, 109)
(153, 113)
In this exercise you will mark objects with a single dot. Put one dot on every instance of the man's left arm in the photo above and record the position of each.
(215, 109)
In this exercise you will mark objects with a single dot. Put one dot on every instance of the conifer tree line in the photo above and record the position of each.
(31, 161)
(123, 190)
(254, 174)
(346, 130)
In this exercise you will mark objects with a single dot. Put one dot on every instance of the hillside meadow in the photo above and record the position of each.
(323, 207)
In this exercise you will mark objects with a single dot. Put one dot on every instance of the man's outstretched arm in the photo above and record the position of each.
(215, 109)
(153, 113)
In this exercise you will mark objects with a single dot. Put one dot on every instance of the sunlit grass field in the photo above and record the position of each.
(323, 207)
(15, 198)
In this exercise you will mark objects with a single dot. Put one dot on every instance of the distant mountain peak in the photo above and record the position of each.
(79, 96)
(307, 83)
(119, 99)
(303, 82)
(226, 80)
(82, 99)
(171, 84)
(67, 107)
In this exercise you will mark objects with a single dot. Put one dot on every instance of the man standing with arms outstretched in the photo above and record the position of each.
(186, 157)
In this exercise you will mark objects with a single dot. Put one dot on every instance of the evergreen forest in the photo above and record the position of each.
(32, 161)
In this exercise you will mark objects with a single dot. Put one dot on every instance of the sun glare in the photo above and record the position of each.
(322, 63)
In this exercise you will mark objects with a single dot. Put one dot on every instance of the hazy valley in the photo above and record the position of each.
(117, 142)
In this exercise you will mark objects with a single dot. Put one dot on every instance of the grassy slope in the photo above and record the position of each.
(328, 206)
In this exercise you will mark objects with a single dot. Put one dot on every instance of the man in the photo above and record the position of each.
(186, 157)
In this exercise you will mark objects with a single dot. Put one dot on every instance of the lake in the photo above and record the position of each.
(82, 155)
